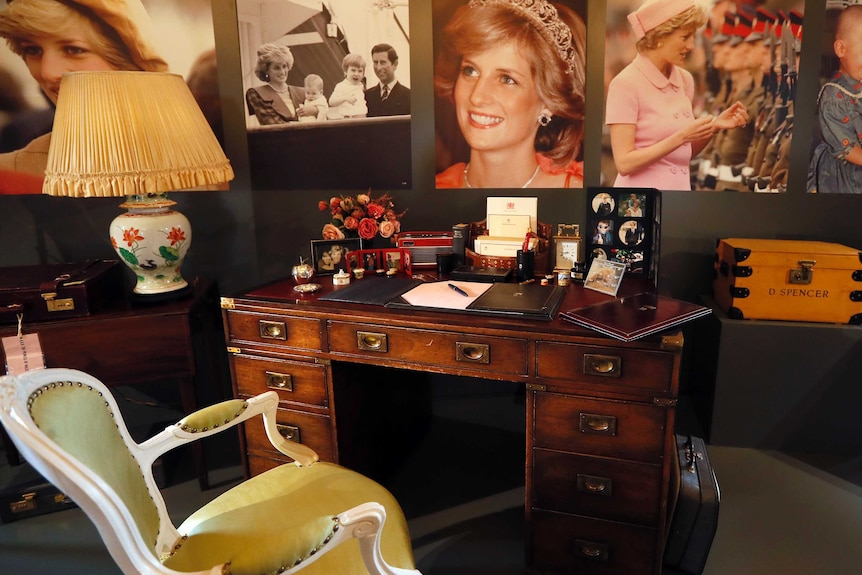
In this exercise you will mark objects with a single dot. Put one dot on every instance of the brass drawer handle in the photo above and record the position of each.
(598, 424)
(281, 381)
(592, 550)
(595, 485)
(272, 329)
(371, 341)
(473, 352)
(289, 432)
(602, 365)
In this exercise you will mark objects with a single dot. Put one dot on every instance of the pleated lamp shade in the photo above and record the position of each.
(139, 135)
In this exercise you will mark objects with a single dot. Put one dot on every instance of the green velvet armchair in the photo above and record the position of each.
(309, 516)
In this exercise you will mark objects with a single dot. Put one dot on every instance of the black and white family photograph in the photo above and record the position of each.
(322, 81)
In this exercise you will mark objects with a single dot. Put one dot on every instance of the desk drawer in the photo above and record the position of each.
(562, 543)
(294, 381)
(606, 366)
(599, 487)
(312, 430)
(428, 347)
(621, 429)
(287, 332)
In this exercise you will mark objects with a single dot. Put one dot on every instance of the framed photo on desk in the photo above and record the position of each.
(390, 261)
(605, 276)
(330, 256)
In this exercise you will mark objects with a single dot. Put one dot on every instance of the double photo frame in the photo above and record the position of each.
(330, 256)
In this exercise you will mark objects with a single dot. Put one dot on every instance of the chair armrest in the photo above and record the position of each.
(224, 414)
(216, 418)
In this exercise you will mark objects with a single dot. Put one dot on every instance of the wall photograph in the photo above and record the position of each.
(509, 82)
(704, 104)
(323, 82)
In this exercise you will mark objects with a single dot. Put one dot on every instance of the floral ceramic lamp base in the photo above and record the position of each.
(152, 239)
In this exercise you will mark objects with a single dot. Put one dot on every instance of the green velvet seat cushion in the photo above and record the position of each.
(269, 521)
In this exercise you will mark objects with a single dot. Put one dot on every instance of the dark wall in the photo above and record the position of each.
(243, 238)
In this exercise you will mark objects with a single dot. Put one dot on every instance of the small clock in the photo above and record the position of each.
(567, 252)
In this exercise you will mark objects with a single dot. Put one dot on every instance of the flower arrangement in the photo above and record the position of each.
(363, 216)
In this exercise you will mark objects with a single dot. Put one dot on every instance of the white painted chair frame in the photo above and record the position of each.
(111, 516)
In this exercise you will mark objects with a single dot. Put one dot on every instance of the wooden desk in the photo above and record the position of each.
(131, 344)
(600, 412)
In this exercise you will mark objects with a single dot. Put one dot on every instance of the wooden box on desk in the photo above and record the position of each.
(480, 228)
(788, 280)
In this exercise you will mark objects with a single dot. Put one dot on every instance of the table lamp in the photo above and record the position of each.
(138, 135)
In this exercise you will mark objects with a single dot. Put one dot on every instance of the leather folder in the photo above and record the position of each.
(633, 317)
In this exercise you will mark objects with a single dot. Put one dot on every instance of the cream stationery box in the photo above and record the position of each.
(508, 221)
(511, 217)
(501, 246)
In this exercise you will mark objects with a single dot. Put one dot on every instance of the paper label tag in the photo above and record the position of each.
(23, 353)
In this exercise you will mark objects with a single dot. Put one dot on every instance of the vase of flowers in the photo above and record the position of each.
(363, 217)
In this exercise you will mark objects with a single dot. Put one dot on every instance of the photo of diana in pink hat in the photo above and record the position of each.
(653, 130)
(54, 38)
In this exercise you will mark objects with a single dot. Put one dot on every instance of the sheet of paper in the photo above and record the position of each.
(439, 294)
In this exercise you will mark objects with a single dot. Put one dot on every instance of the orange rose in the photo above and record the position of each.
(375, 211)
(367, 228)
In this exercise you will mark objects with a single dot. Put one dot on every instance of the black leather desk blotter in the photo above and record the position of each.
(372, 290)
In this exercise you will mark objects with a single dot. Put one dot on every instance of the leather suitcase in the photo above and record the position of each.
(788, 280)
(694, 510)
(57, 291)
(28, 494)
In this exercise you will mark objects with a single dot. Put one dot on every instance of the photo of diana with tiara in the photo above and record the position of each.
(509, 106)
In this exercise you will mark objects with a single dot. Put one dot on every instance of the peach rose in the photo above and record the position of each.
(331, 232)
(386, 228)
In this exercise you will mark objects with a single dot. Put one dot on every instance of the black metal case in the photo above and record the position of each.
(28, 494)
(694, 509)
